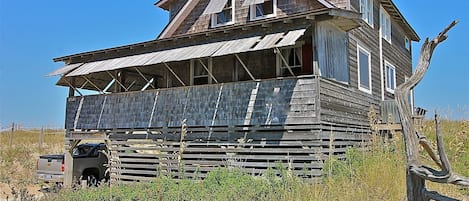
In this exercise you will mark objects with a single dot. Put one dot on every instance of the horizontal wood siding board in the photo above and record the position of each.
(340, 104)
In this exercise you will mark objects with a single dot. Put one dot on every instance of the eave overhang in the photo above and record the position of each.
(346, 20)
(392, 10)
(163, 4)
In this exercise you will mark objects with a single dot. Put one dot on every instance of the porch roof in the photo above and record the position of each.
(213, 49)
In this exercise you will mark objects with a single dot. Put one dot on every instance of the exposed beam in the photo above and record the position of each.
(143, 76)
(245, 67)
(94, 85)
(117, 80)
(284, 61)
(70, 84)
(175, 75)
(208, 71)
(149, 82)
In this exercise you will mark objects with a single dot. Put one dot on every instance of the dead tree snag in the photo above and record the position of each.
(417, 173)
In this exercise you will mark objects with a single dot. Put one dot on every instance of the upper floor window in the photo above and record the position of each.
(289, 58)
(262, 10)
(390, 77)
(226, 16)
(407, 43)
(366, 9)
(385, 25)
(364, 69)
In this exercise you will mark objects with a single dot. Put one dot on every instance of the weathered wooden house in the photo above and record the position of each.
(253, 84)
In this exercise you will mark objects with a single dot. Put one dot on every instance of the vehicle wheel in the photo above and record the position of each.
(91, 180)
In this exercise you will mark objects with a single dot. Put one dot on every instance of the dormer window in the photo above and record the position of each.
(222, 12)
(225, 17)
(264, 9)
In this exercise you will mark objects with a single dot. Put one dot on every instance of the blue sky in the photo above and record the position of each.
(34, 32)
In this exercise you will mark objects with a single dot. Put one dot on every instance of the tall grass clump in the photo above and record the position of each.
(18, 161)
(374, 172)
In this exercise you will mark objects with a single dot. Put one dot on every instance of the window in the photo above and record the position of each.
(226, 16)
(407, 43)
(292, 57)
(364, 69)
(385, 25)
(390, 77)
(199, 74)
(366, 9)
(263, 10)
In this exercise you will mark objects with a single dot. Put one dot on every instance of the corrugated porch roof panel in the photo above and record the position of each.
(237, 46)
(86, 68)
(185, 53)
(65, 69)
(268, 41)
(290, 38)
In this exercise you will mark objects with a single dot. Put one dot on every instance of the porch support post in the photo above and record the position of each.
(149, 82)
(71, 86)
(175, 75)
(245, 67)
(277, 51)
(94, 85)
(208, 71)
(117, 80)
(68, 169)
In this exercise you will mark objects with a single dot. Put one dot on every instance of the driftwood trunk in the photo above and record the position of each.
(417, 173)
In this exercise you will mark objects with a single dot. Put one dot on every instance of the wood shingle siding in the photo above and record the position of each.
(277, 102)
(196, 22)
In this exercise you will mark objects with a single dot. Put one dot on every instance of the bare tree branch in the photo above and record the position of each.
(417, 173)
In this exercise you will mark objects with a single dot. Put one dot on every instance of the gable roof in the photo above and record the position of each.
(175, 23)
(353, 18)
(392, 10)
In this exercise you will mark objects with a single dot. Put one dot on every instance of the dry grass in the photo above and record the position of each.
(18, 162)
(375, 175)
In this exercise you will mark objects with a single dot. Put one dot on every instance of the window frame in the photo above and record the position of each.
(366, 51)
(367, 11)
(281, 65)
(192, 70)
(407, 43)
(252, 11)
(214, 16)
(388, 65)
(385, 25)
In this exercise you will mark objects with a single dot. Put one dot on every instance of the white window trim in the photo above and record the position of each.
(368, 16)
(407, 43)
(386, 64)
(252, 12)
(280, 63)
(359, 48)
(213, 17)
(209, 66)
(385, 28)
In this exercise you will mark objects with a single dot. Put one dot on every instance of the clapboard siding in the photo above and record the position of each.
(267, 102)
(344, 105)
(396, 54)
